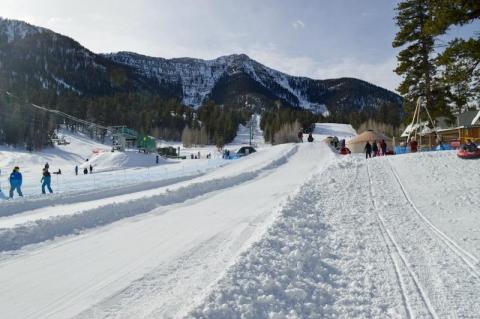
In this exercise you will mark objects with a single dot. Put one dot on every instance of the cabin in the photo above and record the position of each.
(467, 128)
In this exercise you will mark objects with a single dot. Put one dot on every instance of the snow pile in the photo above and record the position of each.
(107, 161)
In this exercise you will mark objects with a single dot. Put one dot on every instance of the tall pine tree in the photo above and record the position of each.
(416, 63)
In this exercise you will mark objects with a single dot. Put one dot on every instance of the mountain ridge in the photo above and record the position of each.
(40, 58)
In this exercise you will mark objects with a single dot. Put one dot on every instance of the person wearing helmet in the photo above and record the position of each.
(15, 182)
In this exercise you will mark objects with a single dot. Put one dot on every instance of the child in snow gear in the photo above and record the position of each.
(368, 150)
(46, 181)
(15, 182)
(310, 138)
(76, 169)
(85, 171)
(91, 169)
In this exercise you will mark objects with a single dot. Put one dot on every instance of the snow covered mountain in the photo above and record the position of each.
(35, 61)
(241, 80)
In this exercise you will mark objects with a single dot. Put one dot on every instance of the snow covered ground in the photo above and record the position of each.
(111, 170)
(292, 231)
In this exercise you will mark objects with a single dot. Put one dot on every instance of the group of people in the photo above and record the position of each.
(85, 170)
(16, 179)
(300, 137)
(375, 149)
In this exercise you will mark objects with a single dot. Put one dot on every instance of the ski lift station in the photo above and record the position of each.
(122, 136)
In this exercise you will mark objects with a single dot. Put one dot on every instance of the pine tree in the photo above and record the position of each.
(460, 61)
(416, 63)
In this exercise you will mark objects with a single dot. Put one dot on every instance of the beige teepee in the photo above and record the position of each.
(357, 144)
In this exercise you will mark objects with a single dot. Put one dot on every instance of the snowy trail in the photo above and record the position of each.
(122, 263)
(353, 243)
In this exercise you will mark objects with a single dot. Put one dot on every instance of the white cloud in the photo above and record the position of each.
(299, 24)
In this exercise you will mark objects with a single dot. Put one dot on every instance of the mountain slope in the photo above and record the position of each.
(34, 59)
(237, 79)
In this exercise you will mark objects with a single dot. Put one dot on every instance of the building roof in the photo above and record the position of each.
(476, 119)
(467, 118)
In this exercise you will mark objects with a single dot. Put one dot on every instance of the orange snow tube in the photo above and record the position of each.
(344, 151)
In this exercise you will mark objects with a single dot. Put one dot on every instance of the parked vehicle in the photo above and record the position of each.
(245, 150)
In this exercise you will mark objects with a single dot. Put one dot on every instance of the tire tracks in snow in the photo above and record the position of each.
(396, 255)
(469, 260)
(38, 231)
(445, 276)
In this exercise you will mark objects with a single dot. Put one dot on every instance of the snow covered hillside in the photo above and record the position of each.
(106, 165)
(291, 231)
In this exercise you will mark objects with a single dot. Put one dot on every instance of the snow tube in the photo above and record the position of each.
(468, 154)
(344, 151)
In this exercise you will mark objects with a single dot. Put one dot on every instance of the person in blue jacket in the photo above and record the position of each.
(46, 181)
(16, 182)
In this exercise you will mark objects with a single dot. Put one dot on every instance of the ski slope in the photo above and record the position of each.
(292, 231)
(111, 170)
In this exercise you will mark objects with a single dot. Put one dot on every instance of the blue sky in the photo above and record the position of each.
(315, 38)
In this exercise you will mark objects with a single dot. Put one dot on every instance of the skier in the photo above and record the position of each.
(85, 171)
(383, 146)
(375, 148)
(16, 182)
(156, 159)
(46, 181)
(76, 169)
(368, 150)
(91, 169)
(300, 136)
(310, 137)
(47, 166)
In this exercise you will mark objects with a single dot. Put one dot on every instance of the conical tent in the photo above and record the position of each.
(357, 144)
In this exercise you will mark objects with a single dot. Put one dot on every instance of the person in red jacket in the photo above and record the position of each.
(413, 146)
